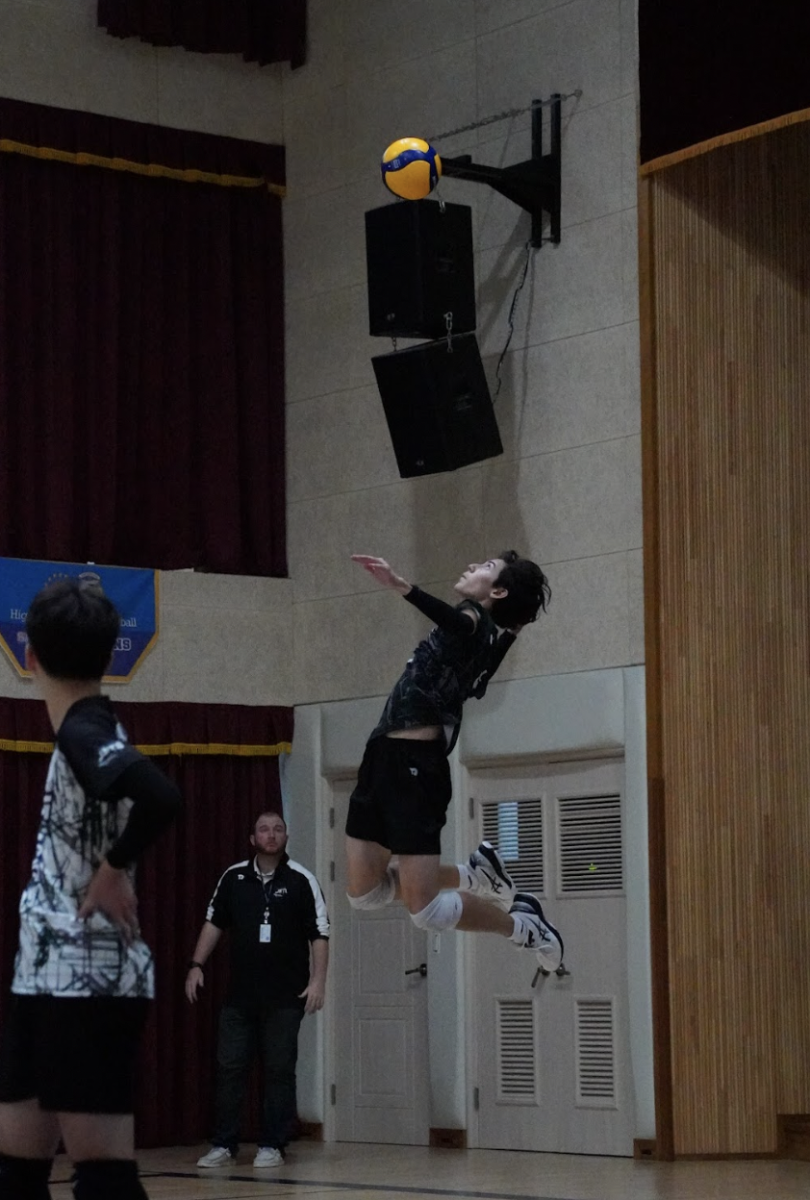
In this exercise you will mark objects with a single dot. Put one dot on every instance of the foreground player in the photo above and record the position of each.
(400, 803)
(83, 976)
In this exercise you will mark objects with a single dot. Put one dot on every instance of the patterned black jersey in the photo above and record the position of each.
(59, 954)
(445, 669)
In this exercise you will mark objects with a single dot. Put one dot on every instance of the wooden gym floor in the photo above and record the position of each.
(350, 1171)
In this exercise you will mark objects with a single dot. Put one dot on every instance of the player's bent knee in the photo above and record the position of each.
(443, 912)
(384, 893)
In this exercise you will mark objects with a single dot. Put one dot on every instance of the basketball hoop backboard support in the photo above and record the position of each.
(534, 185)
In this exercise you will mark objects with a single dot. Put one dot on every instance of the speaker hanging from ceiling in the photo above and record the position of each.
(437, 405)
(419, 259)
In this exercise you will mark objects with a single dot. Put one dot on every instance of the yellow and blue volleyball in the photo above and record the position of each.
(410, 168)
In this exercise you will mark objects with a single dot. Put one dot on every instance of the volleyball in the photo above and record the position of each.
(410, 168)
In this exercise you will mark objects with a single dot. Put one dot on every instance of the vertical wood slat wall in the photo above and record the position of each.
(729, 352)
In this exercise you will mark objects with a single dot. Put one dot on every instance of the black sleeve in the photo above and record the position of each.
(156, 804)
(454, 620)
(98, 751)
(219, 911)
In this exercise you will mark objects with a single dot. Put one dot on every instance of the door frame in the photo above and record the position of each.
(330, 839)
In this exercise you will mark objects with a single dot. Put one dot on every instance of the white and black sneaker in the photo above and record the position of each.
(533, 932)
(487, 876)
(217, 1156)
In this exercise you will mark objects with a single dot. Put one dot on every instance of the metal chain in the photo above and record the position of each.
(503, 116)
(448, 321)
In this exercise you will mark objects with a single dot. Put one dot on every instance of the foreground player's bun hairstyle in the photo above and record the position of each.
(72, 627)
(528, 590)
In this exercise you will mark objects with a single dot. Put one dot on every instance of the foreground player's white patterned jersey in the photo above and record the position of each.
(59, 954)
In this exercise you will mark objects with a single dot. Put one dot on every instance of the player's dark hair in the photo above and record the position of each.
(528, 592)
(72, 627)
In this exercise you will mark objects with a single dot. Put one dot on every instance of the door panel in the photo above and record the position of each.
(381, 1067)
(553, 1063)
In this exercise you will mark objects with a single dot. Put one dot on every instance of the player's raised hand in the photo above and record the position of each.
(380, 570)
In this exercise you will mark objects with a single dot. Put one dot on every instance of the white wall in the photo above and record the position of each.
(583, 713)
(52, 52)
(567, 489)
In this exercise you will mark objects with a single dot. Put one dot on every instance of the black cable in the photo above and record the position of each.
(511, 320)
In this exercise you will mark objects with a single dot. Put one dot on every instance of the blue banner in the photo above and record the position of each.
(133, 592)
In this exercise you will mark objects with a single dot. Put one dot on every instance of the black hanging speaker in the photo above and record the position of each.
(438, 406)
(419, 258)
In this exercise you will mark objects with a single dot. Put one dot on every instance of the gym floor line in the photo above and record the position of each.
(392, 1189)
(364, 1171)
(333, 1185)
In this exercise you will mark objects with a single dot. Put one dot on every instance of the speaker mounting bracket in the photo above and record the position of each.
(534, 185)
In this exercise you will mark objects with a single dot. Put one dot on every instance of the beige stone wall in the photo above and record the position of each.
(223, 639)
(52, 52)
(567, 490)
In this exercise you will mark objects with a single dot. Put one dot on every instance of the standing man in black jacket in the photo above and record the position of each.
(276, 914)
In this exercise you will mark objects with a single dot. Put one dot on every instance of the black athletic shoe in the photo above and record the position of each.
(493, 880)
(540, 936)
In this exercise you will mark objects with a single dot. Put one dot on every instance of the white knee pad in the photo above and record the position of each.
(384, 893)
(443, 912)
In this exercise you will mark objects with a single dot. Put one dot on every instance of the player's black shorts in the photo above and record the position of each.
(402, 794)
(72, 1054)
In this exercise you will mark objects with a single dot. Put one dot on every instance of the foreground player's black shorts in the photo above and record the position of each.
(72, 1054)
(402, 794)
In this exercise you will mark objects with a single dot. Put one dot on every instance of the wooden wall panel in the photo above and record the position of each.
(730, 236)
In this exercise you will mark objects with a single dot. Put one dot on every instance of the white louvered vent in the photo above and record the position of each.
(516, 828)
(590, 841)
(516, 1066)
(595, 1051)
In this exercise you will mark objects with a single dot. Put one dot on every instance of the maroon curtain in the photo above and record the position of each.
(262, 31)
(223, 794)
(707, 69)
(141, 349)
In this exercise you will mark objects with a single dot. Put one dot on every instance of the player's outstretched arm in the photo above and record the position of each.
(384, 574)
(444, 615)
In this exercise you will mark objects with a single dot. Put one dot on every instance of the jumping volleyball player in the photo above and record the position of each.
(400, 803)
(83, 976)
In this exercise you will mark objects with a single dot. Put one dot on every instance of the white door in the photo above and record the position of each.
(552, 1068)
(381, 1081)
